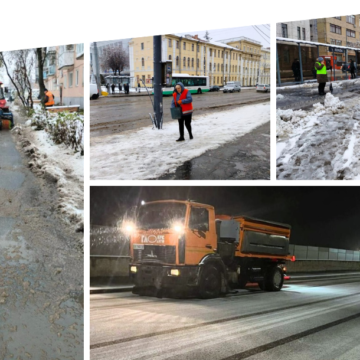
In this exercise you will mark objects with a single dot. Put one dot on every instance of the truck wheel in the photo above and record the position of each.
(210, 283)
(274, 279)
(261, 285)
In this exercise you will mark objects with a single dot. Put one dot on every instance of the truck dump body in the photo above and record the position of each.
(259, 237)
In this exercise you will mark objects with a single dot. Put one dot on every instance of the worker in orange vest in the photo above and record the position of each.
(182, 97)
(49, 98)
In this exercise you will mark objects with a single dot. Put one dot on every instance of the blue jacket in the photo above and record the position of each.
(188, 98)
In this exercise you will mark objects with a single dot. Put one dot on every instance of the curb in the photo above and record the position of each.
(110, 290)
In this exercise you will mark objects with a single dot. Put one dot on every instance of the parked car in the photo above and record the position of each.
(94, 91)
(232, 86)
(214, 88)
(263, 87)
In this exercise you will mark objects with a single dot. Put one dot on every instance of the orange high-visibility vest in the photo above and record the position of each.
(186, 108)
(51, 99)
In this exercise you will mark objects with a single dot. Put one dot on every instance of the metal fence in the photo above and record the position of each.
(321, 253)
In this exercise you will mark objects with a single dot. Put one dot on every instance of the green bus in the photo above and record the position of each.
(195, 84)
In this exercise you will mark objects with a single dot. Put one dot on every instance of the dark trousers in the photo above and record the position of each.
(321, 88)
(353, 74)
(187, 120)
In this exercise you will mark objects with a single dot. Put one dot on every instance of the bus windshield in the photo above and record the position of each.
(161, 215)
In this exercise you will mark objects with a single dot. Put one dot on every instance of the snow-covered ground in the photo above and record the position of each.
(59, 165)
(314, 84)
(146, 153)
(321, 144)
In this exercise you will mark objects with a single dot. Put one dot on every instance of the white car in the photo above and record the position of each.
(263, 87)
(94, 91)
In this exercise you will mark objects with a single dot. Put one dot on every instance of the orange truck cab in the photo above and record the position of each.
(181, 246)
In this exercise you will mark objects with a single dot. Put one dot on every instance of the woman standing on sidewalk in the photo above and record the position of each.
(182, 97)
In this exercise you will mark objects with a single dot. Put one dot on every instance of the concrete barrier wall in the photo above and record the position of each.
(109, 266)
(321, 265)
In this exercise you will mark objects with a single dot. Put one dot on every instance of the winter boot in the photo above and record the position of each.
(180, 139)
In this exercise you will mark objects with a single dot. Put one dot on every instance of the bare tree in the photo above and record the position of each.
(19, 65)
(207, 36)
(115, 58)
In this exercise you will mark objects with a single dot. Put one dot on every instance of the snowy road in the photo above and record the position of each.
(41, 267)
(321, 142)
(148, 154)
(111, 115)
(314, 318)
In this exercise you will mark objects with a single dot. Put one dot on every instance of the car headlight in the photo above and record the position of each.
(133, 269)
(175, 272)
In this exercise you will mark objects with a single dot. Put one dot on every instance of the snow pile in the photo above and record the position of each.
(279, 96)
(320, 144)
(63, 127)
(147, 153)
(58, 165)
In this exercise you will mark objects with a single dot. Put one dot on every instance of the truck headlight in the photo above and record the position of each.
(174, 272)
(133, 269)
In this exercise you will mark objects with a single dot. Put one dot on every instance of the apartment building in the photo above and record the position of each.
(337, 31)
(236, 59)
(299, 30)
(64, 74)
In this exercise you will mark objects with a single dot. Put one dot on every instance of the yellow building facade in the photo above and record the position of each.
(237, 59)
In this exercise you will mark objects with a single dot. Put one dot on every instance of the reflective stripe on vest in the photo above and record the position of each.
(51, 99)
(186, 108)
(323, 71)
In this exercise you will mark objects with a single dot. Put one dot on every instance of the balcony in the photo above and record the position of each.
(49, 71)
(79, 51)
(66, 59)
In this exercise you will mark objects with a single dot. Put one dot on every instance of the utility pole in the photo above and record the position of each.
(158, 96)
(97, 67)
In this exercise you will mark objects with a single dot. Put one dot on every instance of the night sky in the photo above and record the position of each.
(319, 216)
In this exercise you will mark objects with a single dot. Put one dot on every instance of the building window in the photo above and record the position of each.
(143, 79)
(226, 55)
(142, 62)
(210, 52)
(169, 57)
(198, 47)
(350, 19)
(184, 45)
(339, 42)
(335, 29)
(304, 34)
(188, 62)
(142, 46)
(214, 53)
(337, 17)
(77, 78)
(192, 62)
(214, 66)
(177, 44)
(184, 61)
(192, 47)
(350, 33)
(226, 67)
(170, 43)
(209, 66)
(298, 33)
(218, 53)
(197, 63)
(70, 79)
(65, 82)
(284, 31)
(222, 67)
(177, 61)
(218, 79)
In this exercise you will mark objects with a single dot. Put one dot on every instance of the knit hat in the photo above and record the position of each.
(320, 58)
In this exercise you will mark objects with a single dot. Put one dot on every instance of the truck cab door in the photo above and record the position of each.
(198, 237)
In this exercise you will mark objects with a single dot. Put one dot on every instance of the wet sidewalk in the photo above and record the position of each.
(247, 158)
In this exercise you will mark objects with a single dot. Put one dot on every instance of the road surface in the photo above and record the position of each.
(311, 318)
(41, 267)
(109, 115)
(299, 97)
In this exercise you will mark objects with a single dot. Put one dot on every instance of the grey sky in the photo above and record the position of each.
(252, 32)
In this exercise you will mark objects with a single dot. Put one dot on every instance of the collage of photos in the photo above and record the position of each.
(104, 257)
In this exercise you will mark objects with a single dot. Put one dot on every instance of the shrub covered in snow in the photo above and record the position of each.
(63, 127)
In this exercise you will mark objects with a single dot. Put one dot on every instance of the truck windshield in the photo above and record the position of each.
(161, 215)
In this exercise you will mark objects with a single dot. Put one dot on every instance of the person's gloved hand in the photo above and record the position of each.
(179, 102)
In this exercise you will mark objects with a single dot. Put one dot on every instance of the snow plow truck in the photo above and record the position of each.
(183, 246)
(6, 116)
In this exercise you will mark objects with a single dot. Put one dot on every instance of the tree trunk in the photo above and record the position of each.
(39, 54)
